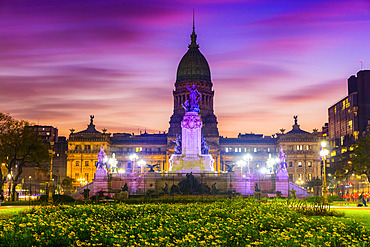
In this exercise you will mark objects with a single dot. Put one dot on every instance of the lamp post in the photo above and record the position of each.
(241, 163)
(323, 153)
(299, 181)
(141, 163)
(51, 152)
(133, 158)
(30, 178)
(248, 158)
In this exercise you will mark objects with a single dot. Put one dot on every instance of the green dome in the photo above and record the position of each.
(193, 65)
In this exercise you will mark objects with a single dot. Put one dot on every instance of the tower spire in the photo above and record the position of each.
(193, 36)
(194, 23)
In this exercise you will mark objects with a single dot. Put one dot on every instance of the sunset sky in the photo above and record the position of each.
(63, 60)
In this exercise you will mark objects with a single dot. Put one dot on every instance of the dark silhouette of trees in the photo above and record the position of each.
(361, 161)
(20, 145)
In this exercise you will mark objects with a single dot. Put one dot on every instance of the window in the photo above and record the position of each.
(47, 133)
(309, 163)
(77, 163)
(86, 163)
(268, 149)
(87, 147)
(255, 150)
(290, 164)
(309, 176)
(300, 163)
(139, 149)
(77, 175)
(87, 177)
(78, 147)
(226, 150)
(291, 177)
(350, 124)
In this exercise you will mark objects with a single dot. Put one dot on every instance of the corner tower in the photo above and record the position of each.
(194, 69)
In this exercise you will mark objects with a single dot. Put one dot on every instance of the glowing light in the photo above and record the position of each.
(324, 153)
(120, 171)
(133, 157)
(141, 163)
(264, 170)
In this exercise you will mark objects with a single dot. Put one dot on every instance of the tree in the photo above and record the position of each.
(361, 161)
(20, 145)
(67, 184)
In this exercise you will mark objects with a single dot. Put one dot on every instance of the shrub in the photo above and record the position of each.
(58, 199)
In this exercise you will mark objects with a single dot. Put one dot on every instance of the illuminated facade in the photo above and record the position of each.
(349, 118)
(302, 157)
(156, 149)
(83, 149)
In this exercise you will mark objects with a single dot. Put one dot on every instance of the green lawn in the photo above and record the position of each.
(359, 215)
(5, 213)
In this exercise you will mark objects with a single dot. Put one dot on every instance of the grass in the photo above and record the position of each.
(5, 213)
(360, 215)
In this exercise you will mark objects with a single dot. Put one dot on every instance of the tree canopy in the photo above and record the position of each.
(361, 161)
(19, 145)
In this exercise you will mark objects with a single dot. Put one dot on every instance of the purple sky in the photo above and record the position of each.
(62, 60)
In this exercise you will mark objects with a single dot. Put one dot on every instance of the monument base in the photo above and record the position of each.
(101, 174)
(195, 164)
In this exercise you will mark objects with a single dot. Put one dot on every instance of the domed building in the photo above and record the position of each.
(194, 69)
(155, 149)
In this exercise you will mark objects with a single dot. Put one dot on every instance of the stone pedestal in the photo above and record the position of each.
(191, 134)
(243, 183)
(282, 182)
(191, 159)
(100, 174)
(195, 164)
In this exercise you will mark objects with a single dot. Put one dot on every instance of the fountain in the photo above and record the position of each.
(191, 160)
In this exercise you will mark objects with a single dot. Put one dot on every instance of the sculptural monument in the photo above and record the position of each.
(282, 177)
(194, 155)
(101, 166)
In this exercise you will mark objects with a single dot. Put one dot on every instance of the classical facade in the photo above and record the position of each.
(302, 152)
(83, 149)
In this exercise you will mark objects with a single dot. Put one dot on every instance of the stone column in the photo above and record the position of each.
(191, 134)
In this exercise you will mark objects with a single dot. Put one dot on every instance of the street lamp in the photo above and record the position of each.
(299, 181)
(133, 158)
(142, 164)
(51, 152)
(323, 153)
(248, 158)
(241, 163)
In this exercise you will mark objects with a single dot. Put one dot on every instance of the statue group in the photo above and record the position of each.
(192, 104)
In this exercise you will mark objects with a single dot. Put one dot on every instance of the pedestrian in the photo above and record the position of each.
(1, 198)
(362, 198)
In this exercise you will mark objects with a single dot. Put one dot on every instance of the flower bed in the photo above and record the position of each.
(225, 223)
